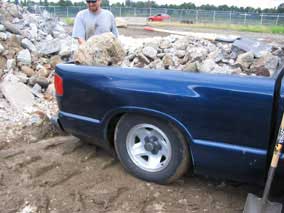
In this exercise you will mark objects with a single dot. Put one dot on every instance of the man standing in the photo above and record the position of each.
(93, 21)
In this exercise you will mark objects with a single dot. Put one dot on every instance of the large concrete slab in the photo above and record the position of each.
(18, 95)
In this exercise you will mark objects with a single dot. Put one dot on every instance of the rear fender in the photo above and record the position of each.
(149, 112)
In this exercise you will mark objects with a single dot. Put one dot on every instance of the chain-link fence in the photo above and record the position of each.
(183, 15)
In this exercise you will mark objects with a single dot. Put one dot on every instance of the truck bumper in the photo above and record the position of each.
(87, 129)
(56, 123)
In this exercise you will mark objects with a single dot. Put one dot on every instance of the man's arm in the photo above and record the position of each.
(81, 41)
(79, 31)
(113, 27)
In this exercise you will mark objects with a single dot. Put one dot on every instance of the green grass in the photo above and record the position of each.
(68, 21)
(244, 28)
(277, 29)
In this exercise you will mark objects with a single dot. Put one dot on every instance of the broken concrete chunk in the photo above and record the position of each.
(207, 66)
(197, 53)
(165, 44)
(26, 43)
(271, 62)
(11, 64)
(43, 72)
(68, 46)
(191, 67)
(49, 47)
(14, 10)
(227, 39)
(33, 30)
(261, 71)
(180, 53)
(48, 37)
(150, 52)
(181, 44)
(2, 28)
(266, 65)
(22, 77)
(18, 94)
(43, 82)
(36, 90)
(11, 27)
(216, 55)
(142, 59)
(249, 45)
(54, 60)
(168, 61)
(102, 49)
(245, 60)
(59, 28)
(2, 49)
(27, 70)
(24, 57)
(3, 36)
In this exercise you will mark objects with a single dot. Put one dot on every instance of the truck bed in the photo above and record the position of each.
(227, 120)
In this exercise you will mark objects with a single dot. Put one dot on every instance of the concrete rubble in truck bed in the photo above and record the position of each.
(183, 53)
(189, 54)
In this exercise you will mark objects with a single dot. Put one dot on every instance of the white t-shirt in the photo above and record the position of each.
(88, 24)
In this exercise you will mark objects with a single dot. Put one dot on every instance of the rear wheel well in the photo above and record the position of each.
(111, 128)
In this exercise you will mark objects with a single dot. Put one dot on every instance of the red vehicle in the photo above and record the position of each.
(159, 17)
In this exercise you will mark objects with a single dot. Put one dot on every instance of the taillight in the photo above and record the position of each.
(58, 83)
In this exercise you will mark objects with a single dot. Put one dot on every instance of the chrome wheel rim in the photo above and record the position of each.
(148, 147)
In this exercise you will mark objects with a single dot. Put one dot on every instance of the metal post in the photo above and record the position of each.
(230, 17)
(245, 20)
(180, 18)
(120, 12)
(53, 10)
(214, 16)
(261, 19)
(277, 20)
(196, 16)
(135, 14)
(150, 11)
(67, 12)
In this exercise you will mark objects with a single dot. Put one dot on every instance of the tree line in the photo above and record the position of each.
(153, 4)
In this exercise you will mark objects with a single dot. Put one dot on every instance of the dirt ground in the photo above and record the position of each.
(63, 175)
(139, 32)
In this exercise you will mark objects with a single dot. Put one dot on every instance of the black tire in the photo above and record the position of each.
(180, 159)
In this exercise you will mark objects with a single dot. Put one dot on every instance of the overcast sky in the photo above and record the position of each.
(240, 3)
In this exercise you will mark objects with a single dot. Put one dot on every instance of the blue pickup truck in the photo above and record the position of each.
(162, 124)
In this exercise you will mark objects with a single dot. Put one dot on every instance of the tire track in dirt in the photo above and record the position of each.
(62, 179)
(10, 153)
(62, 174)
(43, 169)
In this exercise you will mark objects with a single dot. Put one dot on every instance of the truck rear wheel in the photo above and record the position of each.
(151, 149)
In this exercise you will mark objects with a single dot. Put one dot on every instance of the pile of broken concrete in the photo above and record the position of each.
(240, 56)
(185, 53)
(30, 47)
